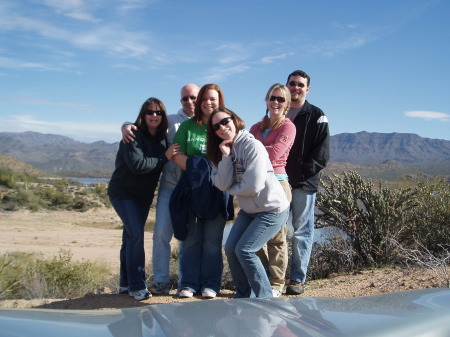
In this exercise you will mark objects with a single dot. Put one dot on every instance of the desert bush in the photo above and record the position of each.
(7, 178)
(368, 216)
(30, 276)
(101, 190)
(331, 257)
(431, 217)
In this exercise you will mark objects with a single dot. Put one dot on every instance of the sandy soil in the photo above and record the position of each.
(96, 235)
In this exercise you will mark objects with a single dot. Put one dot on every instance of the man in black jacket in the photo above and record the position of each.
(308, 156)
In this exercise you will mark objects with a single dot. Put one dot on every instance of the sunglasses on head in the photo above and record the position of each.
(277, 98)
(296, 84)
(185, 98)
(154, 112)
(224, 122)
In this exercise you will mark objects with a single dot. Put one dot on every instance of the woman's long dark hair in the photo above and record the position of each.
(161, 130)
(213, 141)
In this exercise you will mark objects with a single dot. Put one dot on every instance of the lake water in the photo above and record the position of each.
(89, 181)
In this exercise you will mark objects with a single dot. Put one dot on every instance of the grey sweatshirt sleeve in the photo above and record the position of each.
(222, 176)
(249, 168)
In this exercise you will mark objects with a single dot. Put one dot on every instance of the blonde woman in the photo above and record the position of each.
(277, 133)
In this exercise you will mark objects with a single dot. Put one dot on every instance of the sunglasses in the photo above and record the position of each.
(295, 84)
(277, 98)
(185, 98)
(224, 122)
(154, 112)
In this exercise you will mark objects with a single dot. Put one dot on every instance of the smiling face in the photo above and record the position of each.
(152, 121)
(298, 86)
(276, 108)
(210, 102)
(225, 124)
(189, 95)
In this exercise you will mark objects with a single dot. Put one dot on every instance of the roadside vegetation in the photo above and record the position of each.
(23, 191)
(373, 226)
(376, 226)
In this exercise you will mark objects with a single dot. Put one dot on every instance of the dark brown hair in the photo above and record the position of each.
(141, 124)
(213, 141)
(299, 73)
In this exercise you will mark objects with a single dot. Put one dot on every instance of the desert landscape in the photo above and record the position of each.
(95, 235)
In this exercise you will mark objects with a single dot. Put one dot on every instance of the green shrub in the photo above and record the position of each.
(368, 216)
(29, 276)
(430, 227)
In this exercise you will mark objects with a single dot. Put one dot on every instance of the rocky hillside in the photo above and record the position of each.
(368, 148)
(58, 154)
(10, 163)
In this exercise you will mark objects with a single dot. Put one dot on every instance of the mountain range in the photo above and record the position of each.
(62, 155)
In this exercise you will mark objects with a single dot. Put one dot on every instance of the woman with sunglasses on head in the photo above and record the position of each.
(242, 168)
(277, 134)
(132, 187)
(201, 263)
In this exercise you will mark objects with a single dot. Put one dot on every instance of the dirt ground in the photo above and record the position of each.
(95, 236)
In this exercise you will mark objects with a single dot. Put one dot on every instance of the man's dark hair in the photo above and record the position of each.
(299, 73)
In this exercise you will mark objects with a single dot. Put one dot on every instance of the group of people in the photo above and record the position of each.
(202, 157)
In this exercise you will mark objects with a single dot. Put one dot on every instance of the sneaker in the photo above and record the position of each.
(295, 288)
(186, 293)
(140, 295)
(208, 293)
(160, 288)
(123, 290)
(276, 293)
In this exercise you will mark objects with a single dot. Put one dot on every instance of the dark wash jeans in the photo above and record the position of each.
(132, 254)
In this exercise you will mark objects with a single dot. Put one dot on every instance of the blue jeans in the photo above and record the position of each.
(249, 234)
(132, 254)
(162, 235)
(302, 239)
(201, 254)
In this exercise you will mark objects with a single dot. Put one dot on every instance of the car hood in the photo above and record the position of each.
(407, 313)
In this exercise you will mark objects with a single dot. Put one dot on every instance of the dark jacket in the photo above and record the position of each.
(196, 193)
(311, 149)
(138, 167)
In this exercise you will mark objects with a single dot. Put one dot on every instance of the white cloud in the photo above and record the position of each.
(271, 59)
(332, 47)
(37, 101)
(85, 132)
(429, 115)
(75, 9)
(10, 63)
(218, 74)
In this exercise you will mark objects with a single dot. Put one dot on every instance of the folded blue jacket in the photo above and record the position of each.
(196, 192)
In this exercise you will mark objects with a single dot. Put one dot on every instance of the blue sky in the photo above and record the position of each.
(80, 68)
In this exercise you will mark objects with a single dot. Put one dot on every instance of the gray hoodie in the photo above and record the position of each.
(248, 174)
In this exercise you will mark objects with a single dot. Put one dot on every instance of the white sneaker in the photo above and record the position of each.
(186, 293)
(140, 295)
(208, 293)
(276, 293)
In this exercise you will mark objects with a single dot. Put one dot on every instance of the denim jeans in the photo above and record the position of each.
(201, 254)
(162, 235)
(249, 234)
(302, 207)
(132, 254)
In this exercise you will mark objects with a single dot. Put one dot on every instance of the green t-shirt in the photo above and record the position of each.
(191, 136)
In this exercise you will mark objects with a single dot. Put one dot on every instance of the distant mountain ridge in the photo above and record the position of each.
(60, 154)
(367, 148)
(57, 154)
